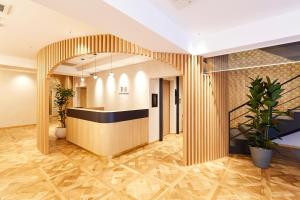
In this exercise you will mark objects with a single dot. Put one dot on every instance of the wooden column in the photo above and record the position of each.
(42, 104)
(205, 113)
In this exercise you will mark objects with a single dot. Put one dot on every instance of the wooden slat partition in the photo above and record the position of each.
(204, 99)
(205, 113)
(42, 102)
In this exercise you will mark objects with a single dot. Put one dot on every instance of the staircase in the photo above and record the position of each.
(287, 124)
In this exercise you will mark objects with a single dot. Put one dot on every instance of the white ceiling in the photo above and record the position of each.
(85, 64)
(98, 13)
(30, 26)
(215, 27)
(205, 17)
(205, 27)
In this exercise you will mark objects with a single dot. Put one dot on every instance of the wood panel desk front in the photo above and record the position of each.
(107, 133)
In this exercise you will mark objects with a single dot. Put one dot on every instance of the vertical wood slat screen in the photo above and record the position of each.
(205, 111)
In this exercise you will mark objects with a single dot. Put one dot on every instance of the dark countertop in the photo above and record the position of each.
(106, 116)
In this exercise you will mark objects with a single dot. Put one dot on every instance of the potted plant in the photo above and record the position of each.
(263, 100)
(61, 101)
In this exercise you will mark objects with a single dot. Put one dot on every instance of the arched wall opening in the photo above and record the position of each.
(204, 107)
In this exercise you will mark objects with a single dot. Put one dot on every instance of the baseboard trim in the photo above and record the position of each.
(17, 126)
(129, 150)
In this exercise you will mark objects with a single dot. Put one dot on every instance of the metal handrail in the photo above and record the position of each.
(248, 101)
(230, 138)
(284, 83)
(278, 105)
(277, 114)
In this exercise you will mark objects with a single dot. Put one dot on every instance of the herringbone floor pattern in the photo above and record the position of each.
(155, 171)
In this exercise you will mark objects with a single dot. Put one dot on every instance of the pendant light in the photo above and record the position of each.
(111, 74)
(95, 75)
(82, 79)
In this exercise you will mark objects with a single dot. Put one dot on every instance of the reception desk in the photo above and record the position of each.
(107, 133)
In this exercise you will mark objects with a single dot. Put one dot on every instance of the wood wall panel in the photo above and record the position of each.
(108, 139)
(42, 103)
(205, 117)
(166, 107)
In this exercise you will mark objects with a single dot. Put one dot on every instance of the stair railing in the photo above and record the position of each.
(244, 104)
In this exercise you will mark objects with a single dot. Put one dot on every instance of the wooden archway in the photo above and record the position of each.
(205, 109)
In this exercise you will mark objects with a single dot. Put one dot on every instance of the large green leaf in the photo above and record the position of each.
(270, 103)
(268, 80)
(263, 98)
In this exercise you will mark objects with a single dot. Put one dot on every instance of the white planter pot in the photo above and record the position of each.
(60, 132)
(261, 157)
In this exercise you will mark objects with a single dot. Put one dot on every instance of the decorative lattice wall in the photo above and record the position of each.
(238, 82)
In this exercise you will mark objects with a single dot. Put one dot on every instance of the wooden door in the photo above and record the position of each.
(166, 107)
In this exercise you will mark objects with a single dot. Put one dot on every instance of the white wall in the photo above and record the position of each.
(154, 112)
(105, 91)
(17, 98)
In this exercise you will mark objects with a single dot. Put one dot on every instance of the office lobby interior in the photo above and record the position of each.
(149, 99)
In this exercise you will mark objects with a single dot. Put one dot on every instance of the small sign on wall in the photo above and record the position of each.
(123, 90)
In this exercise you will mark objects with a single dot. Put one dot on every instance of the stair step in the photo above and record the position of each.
(287, 124)
(236, 134)
(243, 128)
(295, 110)
(294, 113)
(241, 137)
(283, 117)
(238, 142)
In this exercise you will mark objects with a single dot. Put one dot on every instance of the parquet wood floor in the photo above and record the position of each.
(155, 171)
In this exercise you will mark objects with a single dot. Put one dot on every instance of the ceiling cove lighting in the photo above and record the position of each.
(82, 79)
(111, 74)
(95, 72)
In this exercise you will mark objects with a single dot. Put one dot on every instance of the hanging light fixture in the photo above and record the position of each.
(82, 79)
(95, 75)
(111, 74)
